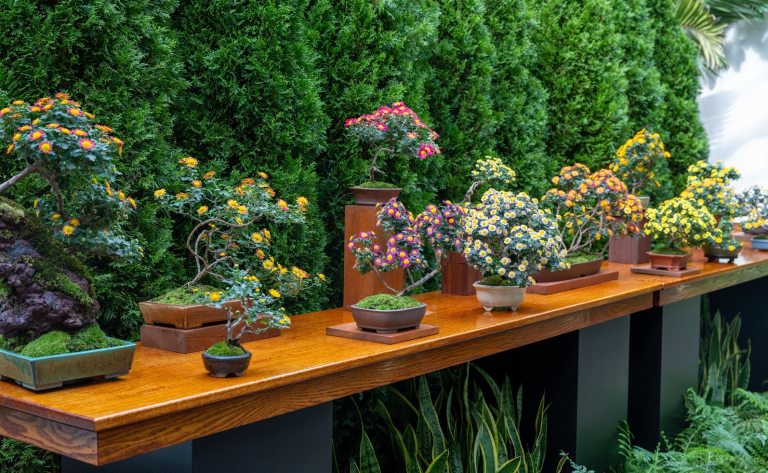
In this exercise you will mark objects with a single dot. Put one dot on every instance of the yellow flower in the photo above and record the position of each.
(55, 216)
(302, 201)
(215, 296)
(282, 204)
(132, 202)
(190, 162)
(202, 209)
(274, 293)
(209, 175)
(260, 254)
(68, 230)
(321, 276)
(197, 183)
(74, 222)
(242, 210)
(182, 195)
(233, 203)
(160, 193)
(256, 237)
(263, 175)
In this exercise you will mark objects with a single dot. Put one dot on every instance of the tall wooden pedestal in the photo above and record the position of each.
(362, 218)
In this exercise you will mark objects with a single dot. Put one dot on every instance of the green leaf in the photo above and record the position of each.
(485, 450)
(431, 418)
(694, 17)
(512, 466)
(368, 461)
(439, 464)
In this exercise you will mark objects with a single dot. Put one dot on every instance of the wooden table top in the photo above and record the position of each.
(168, 398)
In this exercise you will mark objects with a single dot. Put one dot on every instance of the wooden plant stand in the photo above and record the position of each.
(604, 275)
(350, 330)
(191, 340)
(458, 276)
(646, 269)
(629, 250)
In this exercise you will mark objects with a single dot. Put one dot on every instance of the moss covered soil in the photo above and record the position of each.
(184, 295)
(59, 343)
(225, 349)
(388, 302)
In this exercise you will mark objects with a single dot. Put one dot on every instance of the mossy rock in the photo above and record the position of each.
(44, 288)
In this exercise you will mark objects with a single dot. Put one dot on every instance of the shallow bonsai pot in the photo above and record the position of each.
(223, 366)
(373, 196)
(669, 262)
(715, 253)
(759, 244)
(388, 321)
(499, 296)
(48, 372)
(184, 316)
(578, 270)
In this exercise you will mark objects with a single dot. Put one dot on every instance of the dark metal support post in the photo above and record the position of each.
(266, 446)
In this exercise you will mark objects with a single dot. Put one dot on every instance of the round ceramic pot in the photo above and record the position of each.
(369, 196)
(499, 296)
(223, 366)
(715, 253)
(578, 270)
(645, 200)
(759, 244)
(669, 262)
(388, 321)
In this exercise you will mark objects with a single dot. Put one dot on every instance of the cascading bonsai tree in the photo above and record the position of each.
(47, 305)
(680, 224)
(392, 131)
(588, 208)
(230, 242)
(508, 238)
(638, 162)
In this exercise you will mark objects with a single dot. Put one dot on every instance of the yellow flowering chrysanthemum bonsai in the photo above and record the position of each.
(679, 224)
(638, 162)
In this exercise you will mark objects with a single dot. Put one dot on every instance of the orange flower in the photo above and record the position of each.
(10, 148)
(80, 133)
(36, 135)
(75, 112)
(85, 143)
(45, 147)
(104, 128)
(52, 125)
(248, 182)
(66, 131)
(182, 195)
(209, 175)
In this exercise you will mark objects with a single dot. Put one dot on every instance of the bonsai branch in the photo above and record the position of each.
(13, 180)
(374, 169)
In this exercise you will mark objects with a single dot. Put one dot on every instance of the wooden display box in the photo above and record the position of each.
(192, 340)
(629, 250)
(458, 276)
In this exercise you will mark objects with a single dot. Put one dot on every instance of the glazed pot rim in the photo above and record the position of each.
(124, 345)
(247, 354)
(477, 284)
(389, 311)
(187, 306)
(377, 188)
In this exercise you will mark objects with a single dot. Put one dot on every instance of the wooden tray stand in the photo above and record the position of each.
(350, 330)
(193, 339)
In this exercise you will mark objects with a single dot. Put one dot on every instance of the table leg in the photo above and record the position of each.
(300, 441)
(664, 363)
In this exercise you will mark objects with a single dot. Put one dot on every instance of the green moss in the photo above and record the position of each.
(663, 250)
(495, 280)
(760, 237)
(225, 349)
(184, 295)
(11, 212)
(57, 281)
(580, 257)
(51, 343)
(5, 290)
(6, 343)
(377, 185)
(91, 338)
(388, 302)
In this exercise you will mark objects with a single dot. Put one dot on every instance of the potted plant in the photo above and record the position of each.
(229, 226)
(405, 248)
(726, 246)
(48, 330)
(390, 131)
(676, 226)
(638, 161)
(457, 277)
(587, 208)
(258, 310)
(711, 185)
(510, 239)
(753, 215)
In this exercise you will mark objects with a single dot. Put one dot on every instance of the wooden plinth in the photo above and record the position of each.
(362, 218)
(458, 276)
(575, 283)
(191, 340)
(646, 269)
(742, 237)
(629, 250)
(350, 330)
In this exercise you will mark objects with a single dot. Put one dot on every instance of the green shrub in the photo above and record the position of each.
(51, 343)
(19, 457)
(388, 302)
(224, 349)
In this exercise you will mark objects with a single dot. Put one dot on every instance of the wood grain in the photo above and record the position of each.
(553, 287)
(350, 330)
(629, 250)
(362, 218)
(168, 398)
(193, 339)
(458, 276)
(665, 273)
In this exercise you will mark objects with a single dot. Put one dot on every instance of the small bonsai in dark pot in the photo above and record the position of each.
(258, 310)
(391, 131)
(726, 246)
(47, 306)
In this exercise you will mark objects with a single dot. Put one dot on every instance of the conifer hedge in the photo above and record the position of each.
(265, 86)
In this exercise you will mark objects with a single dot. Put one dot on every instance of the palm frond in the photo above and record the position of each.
(730, 11)
(696, 19)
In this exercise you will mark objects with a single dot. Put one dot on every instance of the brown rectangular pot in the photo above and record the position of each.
(184, 316)
(458, 276)
(669, 262)
(629, 249)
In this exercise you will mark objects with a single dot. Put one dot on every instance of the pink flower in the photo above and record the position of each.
(349, 122)
(381, 126)
(425, 150)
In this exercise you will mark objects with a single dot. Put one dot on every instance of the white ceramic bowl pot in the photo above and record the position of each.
(499, 296)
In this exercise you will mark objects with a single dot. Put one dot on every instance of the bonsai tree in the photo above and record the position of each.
(753, 210)
(395, 131)
(710, 185)
(509, 239)
(488, 170)
(588, 208)
(638, 161)
(76, 211)
(679, 224)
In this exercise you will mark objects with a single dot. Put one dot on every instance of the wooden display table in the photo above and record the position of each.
(168, 398)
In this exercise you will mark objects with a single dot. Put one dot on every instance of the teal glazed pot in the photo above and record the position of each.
(48, 372)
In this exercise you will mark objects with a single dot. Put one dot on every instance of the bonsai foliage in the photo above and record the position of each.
(710, 185)
(406, 247)
(679, 224)
(589, 207)
(638, 161)
(509, 236)
(753, 207)
(74, 155)
(395, 130)
(489, 170)
(727, 241)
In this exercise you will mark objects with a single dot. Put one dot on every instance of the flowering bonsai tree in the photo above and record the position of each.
(679, 224)
(489, 170)
(509, 239)
(79, 210)
(753, 210)
(638, 160)
(710, 185)
(230, 245)
(406, 247)
(395, 130)
(589, 207)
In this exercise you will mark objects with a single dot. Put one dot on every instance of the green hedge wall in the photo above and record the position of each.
(265, 86)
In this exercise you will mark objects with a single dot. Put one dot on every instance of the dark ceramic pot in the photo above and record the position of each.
(223, 366)
(368, 196)
(716, 253)
(759, 244)
(388, 321)
(578, 270)
(669, 262)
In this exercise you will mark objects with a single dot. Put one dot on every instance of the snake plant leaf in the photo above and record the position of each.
(485, 450)
(439, 464)
(512, 466)
(491, 384)
(431, 419)
(369, 463)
